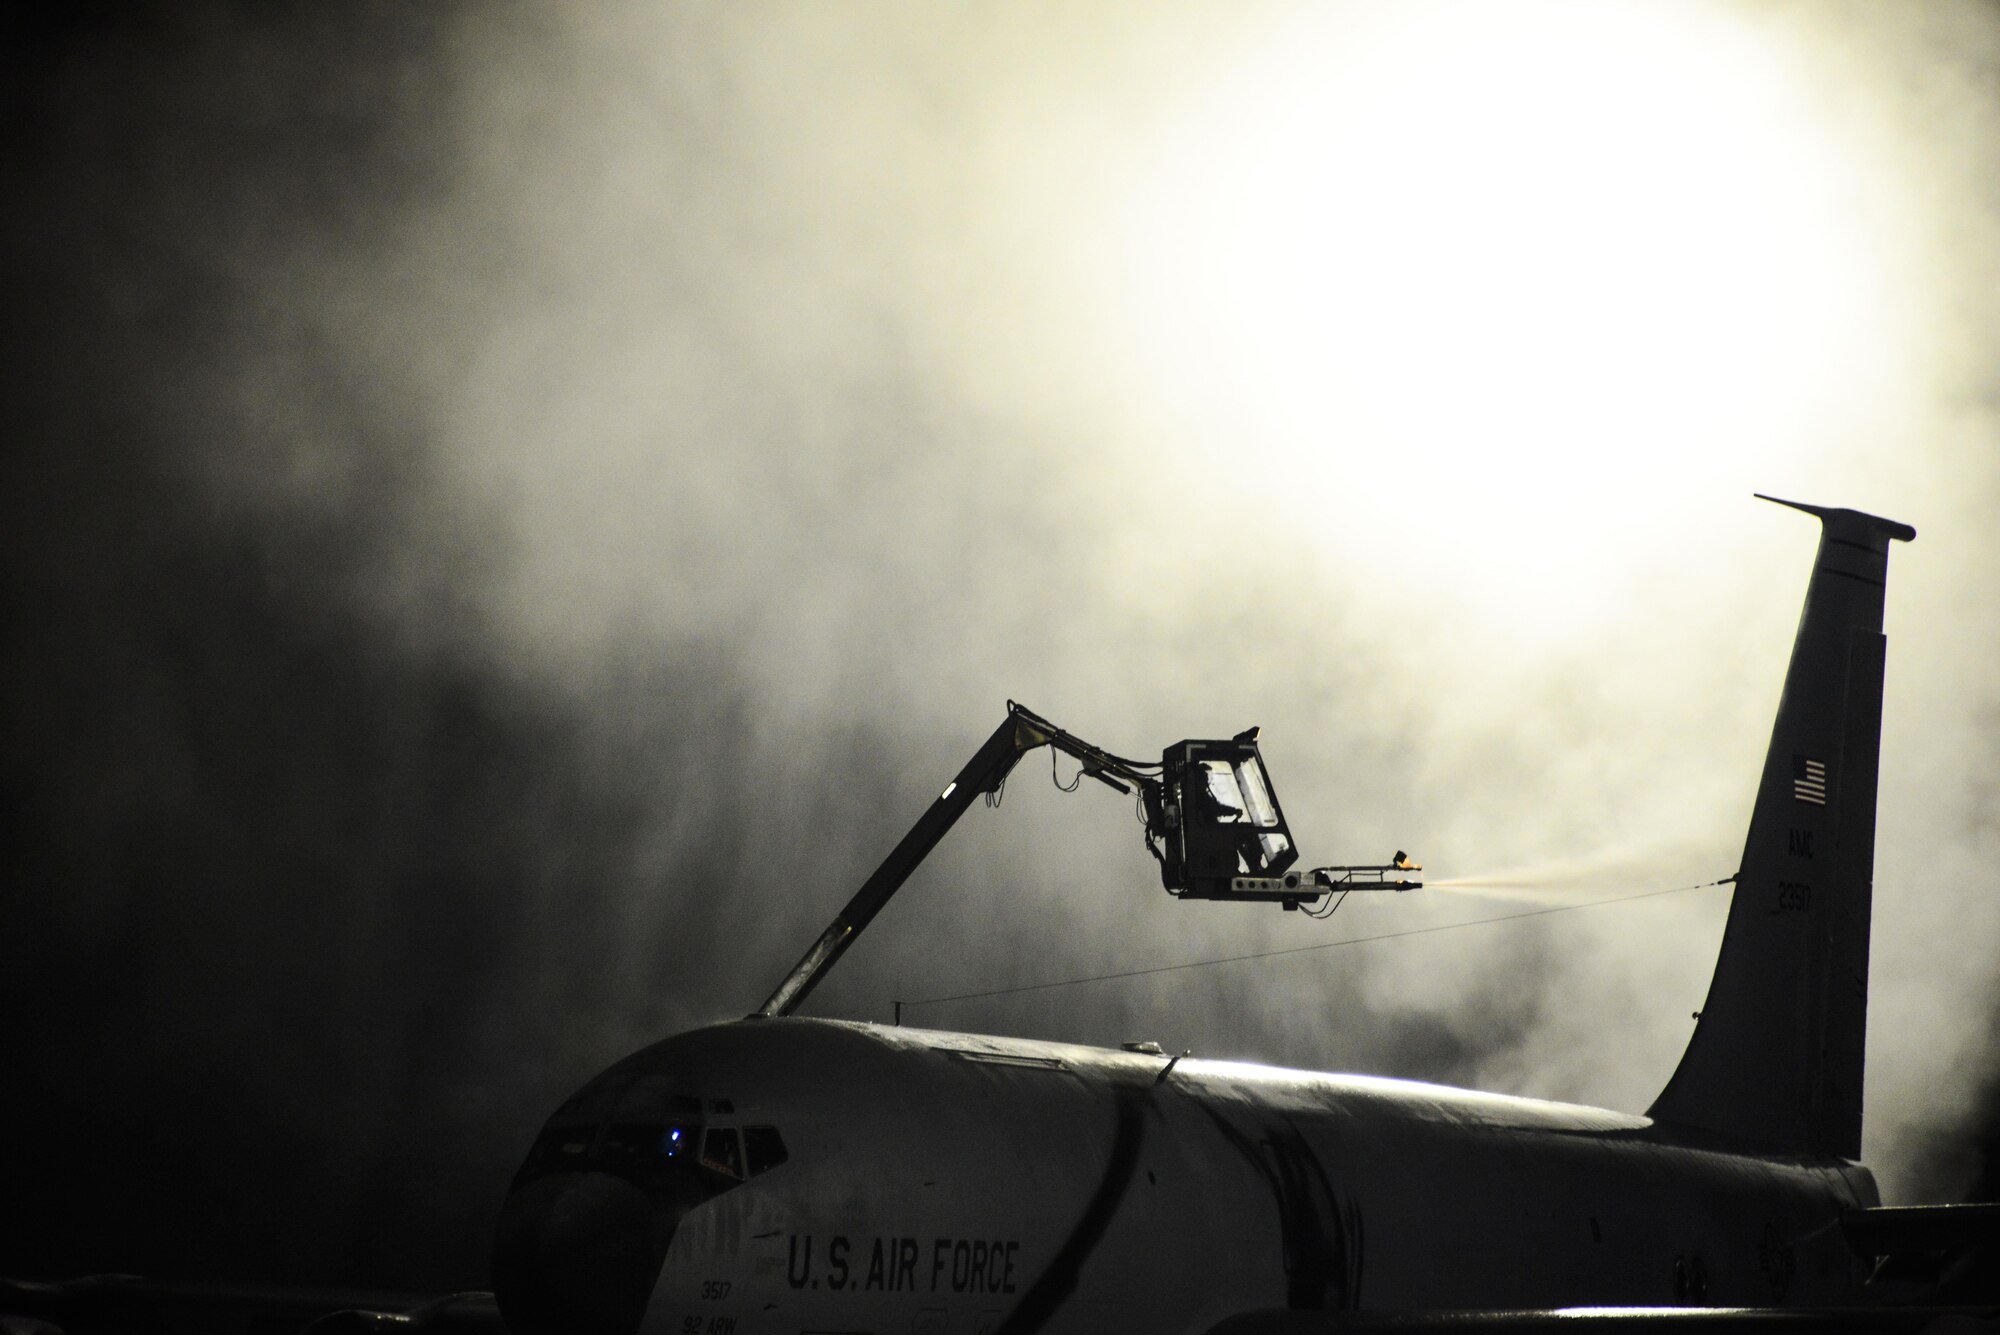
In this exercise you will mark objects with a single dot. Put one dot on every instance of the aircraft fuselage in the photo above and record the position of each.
(940, 1181)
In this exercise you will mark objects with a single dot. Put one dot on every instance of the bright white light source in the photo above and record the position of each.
(1485, 288)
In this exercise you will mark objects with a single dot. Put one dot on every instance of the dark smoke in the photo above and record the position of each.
(298, 878)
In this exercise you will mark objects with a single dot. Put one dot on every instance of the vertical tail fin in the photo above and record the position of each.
(1776, 1057)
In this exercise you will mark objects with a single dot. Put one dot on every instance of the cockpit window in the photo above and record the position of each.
(763, 1148)
(562, 1144)
(720, 1151)
(634, 1125)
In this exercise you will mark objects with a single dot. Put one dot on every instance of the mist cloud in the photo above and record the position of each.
(511, 515)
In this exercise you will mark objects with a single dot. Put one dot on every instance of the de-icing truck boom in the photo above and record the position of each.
(1211, 815)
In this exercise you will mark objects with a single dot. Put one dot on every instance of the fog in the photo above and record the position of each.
(511, 514)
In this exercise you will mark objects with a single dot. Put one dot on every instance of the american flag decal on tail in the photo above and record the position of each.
(1809, 780)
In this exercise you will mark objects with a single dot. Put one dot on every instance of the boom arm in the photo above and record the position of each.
(1022, 732)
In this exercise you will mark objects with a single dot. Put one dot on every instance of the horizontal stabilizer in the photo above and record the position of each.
(1895, 1230)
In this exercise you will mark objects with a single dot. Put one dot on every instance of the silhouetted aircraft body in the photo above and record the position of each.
(790, 1174)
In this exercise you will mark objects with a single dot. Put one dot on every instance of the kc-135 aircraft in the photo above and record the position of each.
(787, 1174)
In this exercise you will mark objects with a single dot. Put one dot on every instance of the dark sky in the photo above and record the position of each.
(509, 516)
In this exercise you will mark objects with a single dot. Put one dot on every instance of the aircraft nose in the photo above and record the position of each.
(576, 1254)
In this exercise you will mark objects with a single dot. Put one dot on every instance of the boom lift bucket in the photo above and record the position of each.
(1217, 821)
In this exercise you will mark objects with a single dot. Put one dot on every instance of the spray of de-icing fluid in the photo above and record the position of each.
(1567, 881)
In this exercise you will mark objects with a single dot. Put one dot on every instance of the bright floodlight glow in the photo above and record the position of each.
(1480, 288)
